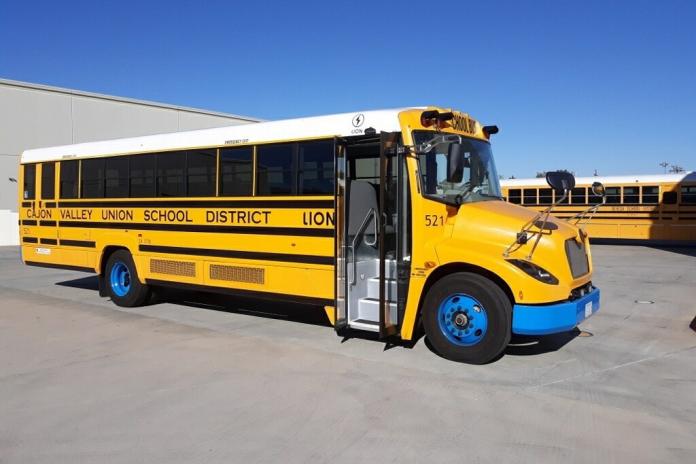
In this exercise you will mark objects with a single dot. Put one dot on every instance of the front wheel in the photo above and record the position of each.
(467, 318)
(122, 282)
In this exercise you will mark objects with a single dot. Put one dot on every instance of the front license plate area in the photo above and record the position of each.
(588, 309)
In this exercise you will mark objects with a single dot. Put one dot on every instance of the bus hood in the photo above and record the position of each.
(496, 224)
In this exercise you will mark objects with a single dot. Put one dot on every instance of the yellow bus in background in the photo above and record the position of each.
(386, 219)
(656, 208)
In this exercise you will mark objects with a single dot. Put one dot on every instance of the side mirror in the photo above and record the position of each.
(560, 181)
(455, 163)
(598, 189)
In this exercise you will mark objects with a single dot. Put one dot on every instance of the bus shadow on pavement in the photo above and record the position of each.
(681, 250)
(530, 345)
(292, 312)
(527, 345)
(520, 345)
(217, 302)
(86, 283)
(303, 314)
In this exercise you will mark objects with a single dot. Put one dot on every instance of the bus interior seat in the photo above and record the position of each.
(363, 197)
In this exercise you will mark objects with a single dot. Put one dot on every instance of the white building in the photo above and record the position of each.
(34, 116)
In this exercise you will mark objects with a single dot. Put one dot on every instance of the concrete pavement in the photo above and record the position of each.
(205, 379)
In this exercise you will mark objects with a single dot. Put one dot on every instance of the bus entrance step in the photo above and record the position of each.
(362, 324)
(368, 309)
(389, 287)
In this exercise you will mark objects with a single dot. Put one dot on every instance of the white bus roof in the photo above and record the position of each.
(607, 180)
(340, 125)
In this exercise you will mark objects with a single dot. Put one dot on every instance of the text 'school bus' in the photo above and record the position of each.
(384, 218)
(659, 208)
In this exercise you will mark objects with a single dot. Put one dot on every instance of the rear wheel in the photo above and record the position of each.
(467, 318)
(122, 282)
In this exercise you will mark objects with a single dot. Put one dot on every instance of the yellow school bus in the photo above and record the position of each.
(654, 208)
(386, 219)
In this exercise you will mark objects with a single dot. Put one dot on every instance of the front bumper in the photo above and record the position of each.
(554, 318)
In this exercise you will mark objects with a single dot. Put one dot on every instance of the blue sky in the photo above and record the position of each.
(581, 85)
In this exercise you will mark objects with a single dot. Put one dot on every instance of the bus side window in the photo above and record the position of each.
(613, 195)
(276, 169)
(630, 195)
(579, 196)
(559, 195)
(171, 169)
(68, 179)
(92, 178)
(200, 173)
(592, 198)
(116, 177)
(29, 181)
(688, 194)
(141, 176)
(669, 198)
(316, 162)
(545, 196)
(529, 196)
(236, 171)
(648, 195)
(515, 196)
(48, 181)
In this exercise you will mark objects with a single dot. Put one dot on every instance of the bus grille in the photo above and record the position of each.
(180, 268)
(577, 258)
(250, 275)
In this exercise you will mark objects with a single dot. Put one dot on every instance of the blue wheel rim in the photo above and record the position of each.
(120, 279)
(462, 319)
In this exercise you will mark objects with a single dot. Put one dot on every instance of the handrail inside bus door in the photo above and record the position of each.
(359, 233)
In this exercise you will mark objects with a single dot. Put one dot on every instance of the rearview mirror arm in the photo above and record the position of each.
(591, 211)
(522, 237)
(543, 224)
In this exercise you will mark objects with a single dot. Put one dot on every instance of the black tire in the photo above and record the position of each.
(445, 295)
(131, 295)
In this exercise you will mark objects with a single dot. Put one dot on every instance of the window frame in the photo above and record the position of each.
(125, 159)
(293, 169)
(183, 184)
(45, 181)
(252, 174)
(656, 195)
(549, 196)
(75, 191)
(25, 184)
(618, 196)
(635, 195)
(690, 192)
(84, 164)
(535, 200)
(573, 195)
(518, 196)
(143, 177)
(212, 176)
(320, 170)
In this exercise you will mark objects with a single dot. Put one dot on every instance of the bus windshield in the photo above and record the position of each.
(479, 181)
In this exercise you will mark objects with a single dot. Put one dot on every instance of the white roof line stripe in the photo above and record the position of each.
(607, 180)
(337, 125)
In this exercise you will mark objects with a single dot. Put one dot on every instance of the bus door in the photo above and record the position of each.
(371, 234)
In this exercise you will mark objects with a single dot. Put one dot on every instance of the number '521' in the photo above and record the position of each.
(434, 220)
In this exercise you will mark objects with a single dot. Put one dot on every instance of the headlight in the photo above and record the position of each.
(539, 273)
